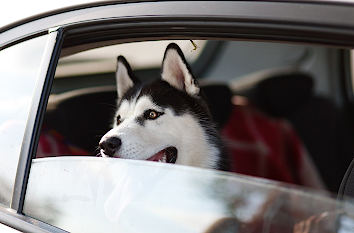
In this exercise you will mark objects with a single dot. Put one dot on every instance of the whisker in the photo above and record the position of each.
(114, 106)
(97, 149)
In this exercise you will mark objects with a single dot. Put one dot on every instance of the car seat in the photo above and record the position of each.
(257, 144)
(319, 123)
(82, 116)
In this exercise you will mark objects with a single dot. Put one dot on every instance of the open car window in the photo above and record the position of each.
(273, 110)
(143, 55)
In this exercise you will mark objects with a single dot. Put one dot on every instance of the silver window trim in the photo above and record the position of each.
(26, 143)
(309, 16)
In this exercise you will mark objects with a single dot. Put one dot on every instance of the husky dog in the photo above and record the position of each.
(166, 120)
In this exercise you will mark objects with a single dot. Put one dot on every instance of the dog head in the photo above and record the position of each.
(165, 121)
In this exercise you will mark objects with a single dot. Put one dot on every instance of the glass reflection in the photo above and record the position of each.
(19, 69)
(112, 195)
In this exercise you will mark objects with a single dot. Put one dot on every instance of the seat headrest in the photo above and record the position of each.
(282, 94)
(218, 97)
(82, 116)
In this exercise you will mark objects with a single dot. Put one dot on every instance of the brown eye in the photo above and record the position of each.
(152, 114)
(118, 120)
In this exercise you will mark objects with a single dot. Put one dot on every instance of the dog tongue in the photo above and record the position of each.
(157, 157)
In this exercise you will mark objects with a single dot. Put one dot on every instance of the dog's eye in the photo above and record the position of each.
(152, 114)
(118, 120)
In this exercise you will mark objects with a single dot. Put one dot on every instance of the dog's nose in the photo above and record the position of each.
(110, 145)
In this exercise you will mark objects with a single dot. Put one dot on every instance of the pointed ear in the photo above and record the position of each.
(176, 71)
(125, 78)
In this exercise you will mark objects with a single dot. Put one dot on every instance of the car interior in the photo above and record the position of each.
(281, 108)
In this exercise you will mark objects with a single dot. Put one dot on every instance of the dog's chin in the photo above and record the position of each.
(167, 155)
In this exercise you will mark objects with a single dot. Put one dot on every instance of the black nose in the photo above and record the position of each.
(110, 145)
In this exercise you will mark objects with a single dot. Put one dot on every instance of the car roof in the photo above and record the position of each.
(13, 15)
(51, 8)
(337, 13)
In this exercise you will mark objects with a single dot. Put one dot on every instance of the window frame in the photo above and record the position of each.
(32, 131)
(13, 216)
(299, 14)
(24, 223)
(257, 26)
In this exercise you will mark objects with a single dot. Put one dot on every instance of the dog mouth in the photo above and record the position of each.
(167, 155)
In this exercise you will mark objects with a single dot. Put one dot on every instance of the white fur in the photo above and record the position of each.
(142, 141)
(176, 73)
(123, 80)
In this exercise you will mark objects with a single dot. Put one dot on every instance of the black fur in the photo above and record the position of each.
(129, 69)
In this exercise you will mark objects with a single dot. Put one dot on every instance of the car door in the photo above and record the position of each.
(64, 184)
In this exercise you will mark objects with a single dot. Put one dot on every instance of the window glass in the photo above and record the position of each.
(19, 69)
(85, 194)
